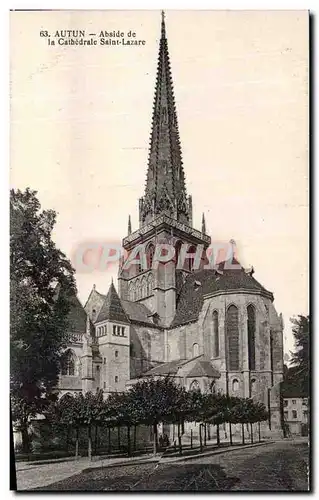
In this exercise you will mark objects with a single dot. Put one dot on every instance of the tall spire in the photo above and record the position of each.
(165, 184)
(129, 226)
(203, 224)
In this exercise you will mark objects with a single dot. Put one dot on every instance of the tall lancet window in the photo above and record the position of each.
(251, 327)
(215, 334)
(150, 255)
(232, 338)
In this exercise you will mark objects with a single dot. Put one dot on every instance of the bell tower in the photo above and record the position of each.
(165, 210)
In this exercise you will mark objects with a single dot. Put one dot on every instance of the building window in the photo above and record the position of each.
(119, 330)
(116, 379)
(150, 255)
(253, 385)
(123, 331)
(304, 402)
(294, 413)
(104, 385)
(251, 327)
(232, 335)
(190, 256)
(68, 364)
(235, 385)
(116, 354)
(293, 401)
(97, 368)
(194, 386)
(305, 413)
(286, 402)
(216, 334)
(195, 350)
(286, 415)
(104, 361)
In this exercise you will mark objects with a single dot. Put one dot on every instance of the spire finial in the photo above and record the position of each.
(163, 25)
(203, 224)
(129, 226)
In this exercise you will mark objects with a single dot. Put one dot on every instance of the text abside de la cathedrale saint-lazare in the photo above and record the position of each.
(77, 37)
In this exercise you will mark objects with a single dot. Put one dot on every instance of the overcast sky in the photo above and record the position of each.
(80, 126)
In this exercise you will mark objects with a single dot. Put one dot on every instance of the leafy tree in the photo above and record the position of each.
(156, 401)
(300, 357)
(38, 327)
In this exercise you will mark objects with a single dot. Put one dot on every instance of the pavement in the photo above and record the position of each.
(105, 473)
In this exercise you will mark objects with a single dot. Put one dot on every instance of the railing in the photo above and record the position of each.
(164, 219)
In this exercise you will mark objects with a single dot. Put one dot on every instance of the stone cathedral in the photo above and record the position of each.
(209, 328)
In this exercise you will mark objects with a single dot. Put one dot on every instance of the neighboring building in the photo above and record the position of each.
(206, 327)
(296, 414)
(295, 403)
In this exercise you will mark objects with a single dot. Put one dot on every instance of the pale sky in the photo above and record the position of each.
(81, 118)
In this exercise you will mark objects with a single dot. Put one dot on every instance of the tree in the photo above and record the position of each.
(156, 401)
(38, 329)
(300, 357)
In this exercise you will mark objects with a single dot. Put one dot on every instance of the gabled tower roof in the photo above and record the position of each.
(112, 308)
(165, 184)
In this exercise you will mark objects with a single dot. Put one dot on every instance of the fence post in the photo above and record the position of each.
(191, 438)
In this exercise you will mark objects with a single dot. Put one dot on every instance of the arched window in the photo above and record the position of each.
(178, 246)
(253, 386)
(251, 327)
(195, 386)
(216, 334)
(195, 350)
(144, 287)
(150, 284)
(137, 290)
(190, 260)
(232, 336)
(68, 363)
(235, 385)
(150, 255)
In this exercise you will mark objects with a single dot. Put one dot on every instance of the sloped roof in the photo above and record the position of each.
(138, 312)
(203, 368)
(169, 368)
(191, 298)
(112, 308)
(77, 317)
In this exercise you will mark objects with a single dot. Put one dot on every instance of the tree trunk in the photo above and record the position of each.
(109, 440)
(128, 440)
(191, 439)
(89, 443)
(95, 439)
(134, 438)
(259, 437)
(154, 439)
(230, 435)
(205, 435)
(77, 443)
(183, 427)
(119, 437)
(243, 433)
(251, 433)
(25, 438)
(218, 435)
(208, 432)
(180, 451)
(67, 438)
(200, 438)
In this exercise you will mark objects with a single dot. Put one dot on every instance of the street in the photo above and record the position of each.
(278, 466)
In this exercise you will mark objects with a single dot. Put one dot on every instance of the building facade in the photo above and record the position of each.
(208, 326)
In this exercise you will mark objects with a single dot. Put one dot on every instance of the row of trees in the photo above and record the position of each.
(152, 402)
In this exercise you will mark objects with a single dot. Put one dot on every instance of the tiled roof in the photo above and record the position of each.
(137, 312)
(112, 308)
(77, 317)
(191, 298)
(203, 368)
